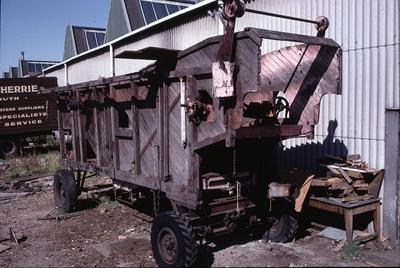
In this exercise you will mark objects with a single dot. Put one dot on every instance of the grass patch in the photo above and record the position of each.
(351, 251)
(31, 165)
(106, 201)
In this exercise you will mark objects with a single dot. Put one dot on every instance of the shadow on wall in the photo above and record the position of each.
(307, 156)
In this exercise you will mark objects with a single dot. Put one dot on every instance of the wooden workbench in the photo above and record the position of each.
(349, 210)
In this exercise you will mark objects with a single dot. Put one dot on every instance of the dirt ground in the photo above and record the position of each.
(105, 233)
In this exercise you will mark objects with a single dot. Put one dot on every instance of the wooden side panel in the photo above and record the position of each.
(123, 118)
(148, 122)
(126, 152)
(66, 120)
(104, 129)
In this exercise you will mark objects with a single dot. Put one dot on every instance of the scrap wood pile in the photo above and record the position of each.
(348, 179)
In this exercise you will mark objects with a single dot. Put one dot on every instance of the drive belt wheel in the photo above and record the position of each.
(9, 148)
(283, 229)
(65, 190)
(173, 241)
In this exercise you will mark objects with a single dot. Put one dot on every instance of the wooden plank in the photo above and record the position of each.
(325, 200)
(146, 146)
(162, 106)
(166, 131)
(192, 158)
(356, 198)
(345, 176)
(326, 182)
(81, 137)
(135, 127)
(149, 53)
(114, 138)
(284, 36)
(303, 193)
(75, 136)
(123, 133)
(62, 134)
(4, 248)
(97, 132)
(375, 186)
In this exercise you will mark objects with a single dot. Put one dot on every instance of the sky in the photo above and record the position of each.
(37, 27)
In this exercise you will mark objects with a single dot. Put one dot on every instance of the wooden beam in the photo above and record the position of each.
(97, 132)
(136, 127)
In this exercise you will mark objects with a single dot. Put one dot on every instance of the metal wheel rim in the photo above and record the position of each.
(8, 147)
(62, 195)
(168, 245)
(275, 224)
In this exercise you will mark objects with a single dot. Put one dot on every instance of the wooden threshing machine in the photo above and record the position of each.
(198, 130)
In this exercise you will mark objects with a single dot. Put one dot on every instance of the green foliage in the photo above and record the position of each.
(106, 201)
(31, 165)
(351, 251)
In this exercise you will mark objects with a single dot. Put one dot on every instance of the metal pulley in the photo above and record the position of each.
(233, 9)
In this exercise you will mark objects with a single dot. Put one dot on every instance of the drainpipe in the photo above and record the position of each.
(66, 74)
(112, 63)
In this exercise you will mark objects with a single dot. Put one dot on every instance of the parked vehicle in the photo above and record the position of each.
(198, 130)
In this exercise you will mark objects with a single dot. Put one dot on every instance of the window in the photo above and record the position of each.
(157, 9)
(148, 12)
(100, 38)
(35, 67)
(94, 38)
(32, 68)
(38, 68)
(161, 10)
(172, 8)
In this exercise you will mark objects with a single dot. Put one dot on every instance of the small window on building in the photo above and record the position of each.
(100, 38)
(32, 68)
(94, 38)
(182, 7)
(91, 39)
(38, 67)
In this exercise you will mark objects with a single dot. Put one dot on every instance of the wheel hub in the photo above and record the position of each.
(168, 245)
(62, 195)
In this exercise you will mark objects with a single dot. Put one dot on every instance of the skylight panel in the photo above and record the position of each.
(100, 38)
(172, 8)
(148, 11)
(160, 9)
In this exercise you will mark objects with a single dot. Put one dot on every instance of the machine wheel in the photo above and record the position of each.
(283, 229)
(173, 241)
(9, 148)
(65, 191)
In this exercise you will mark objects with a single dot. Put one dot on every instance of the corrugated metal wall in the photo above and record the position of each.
(368, 31)
(179, 37)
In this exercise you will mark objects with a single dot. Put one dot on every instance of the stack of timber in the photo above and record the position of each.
(347, 180)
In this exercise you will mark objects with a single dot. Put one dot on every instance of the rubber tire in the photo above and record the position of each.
(183, 231)
(284, 230)
(66, 179)
(14, 148)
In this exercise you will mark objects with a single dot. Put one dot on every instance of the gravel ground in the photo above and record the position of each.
(108, 234)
